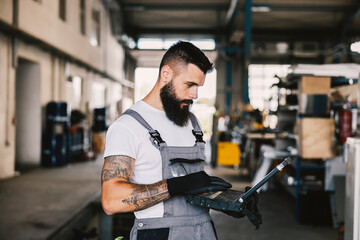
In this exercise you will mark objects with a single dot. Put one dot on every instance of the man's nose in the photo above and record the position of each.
(193, 93)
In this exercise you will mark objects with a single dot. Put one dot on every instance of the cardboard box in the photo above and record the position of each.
(316, 138)
(98, 141)
(314, 85)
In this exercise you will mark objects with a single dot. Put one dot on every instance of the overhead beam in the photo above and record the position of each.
(233, 7)
(273, 34)
(137, 31)
(258, 34)
(304, 8)
(175, 7)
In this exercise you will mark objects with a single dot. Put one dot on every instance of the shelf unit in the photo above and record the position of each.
(301, 166)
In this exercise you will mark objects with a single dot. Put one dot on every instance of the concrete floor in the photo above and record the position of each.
(36, 203)
(278, 214)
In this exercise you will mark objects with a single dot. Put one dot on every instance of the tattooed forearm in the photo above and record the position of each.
(144, 196)
(117, 167)
(121, 195)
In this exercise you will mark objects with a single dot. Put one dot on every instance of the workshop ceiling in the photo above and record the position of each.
(271, 19)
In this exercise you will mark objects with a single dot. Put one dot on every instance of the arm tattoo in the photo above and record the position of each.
(140, 196)
(117, 167)
(144, 196)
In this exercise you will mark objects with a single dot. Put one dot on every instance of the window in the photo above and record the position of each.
(62, 9)
(82, 17)
(262, 95)
(261, 78)
(95, 28)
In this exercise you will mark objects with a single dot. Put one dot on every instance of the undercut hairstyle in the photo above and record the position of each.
(181, 54)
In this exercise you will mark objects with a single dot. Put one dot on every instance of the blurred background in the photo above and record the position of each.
(285, 84)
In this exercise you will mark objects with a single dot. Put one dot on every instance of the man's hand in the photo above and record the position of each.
(250, 209)
(195, 183)
(252, 201)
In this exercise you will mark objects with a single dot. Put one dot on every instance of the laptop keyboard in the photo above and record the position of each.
(229, 196)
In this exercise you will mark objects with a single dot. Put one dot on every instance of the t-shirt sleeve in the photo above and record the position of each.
(121, 140)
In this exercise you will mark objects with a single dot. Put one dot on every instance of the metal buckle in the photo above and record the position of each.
(198, 135)
(156, 136)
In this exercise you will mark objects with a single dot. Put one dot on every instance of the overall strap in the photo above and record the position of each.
(154, 134)
(196, 129)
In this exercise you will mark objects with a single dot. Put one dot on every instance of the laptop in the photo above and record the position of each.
(232, 200)
(221, 200)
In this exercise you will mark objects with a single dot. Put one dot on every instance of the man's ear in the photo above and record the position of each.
(166, 74)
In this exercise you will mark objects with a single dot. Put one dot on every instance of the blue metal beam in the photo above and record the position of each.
(228, 91)
(349, 19)
(232, 50)
(303, 8)
(232, 10)
(247, 48)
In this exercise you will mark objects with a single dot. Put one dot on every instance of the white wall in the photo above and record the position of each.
(6, 11)
(7, 110)
(67, 53)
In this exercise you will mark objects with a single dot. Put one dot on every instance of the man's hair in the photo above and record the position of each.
(183, 53)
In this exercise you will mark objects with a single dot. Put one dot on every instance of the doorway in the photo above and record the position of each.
(27, 115)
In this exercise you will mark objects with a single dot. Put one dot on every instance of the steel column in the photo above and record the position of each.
(247, 50)
(228, 91)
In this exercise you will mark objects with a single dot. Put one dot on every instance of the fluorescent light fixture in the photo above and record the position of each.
(355, 47)
(169, 42)
(260, 8)
(204, 44)
(282, 47)
(158, 43)
(150, 43)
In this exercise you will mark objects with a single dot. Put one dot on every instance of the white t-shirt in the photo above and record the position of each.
(126, 136)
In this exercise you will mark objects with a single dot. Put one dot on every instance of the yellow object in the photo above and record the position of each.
(228, 154)
(258, 126)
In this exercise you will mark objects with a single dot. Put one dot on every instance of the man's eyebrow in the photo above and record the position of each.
(192, 83)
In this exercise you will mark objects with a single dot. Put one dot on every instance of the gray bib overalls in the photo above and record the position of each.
(181, 220)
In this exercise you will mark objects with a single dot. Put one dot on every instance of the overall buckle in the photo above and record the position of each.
(156, 136)
(198, 135)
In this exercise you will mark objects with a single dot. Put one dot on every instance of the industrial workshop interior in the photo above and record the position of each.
(279, 112)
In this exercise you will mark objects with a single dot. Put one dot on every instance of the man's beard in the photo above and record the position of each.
(172, 105)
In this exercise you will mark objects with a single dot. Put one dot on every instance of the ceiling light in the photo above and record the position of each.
(260, 8)
(355, 47)
(282, 47)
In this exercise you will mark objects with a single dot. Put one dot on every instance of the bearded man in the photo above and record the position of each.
(154, 155)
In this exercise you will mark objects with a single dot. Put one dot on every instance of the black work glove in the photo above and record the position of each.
(252, 201)
(195, 183)
(250, 209)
